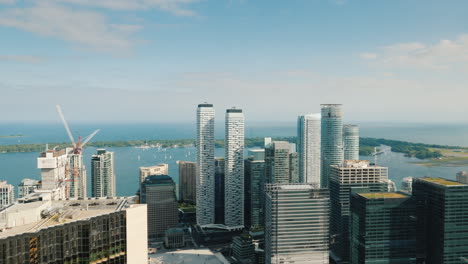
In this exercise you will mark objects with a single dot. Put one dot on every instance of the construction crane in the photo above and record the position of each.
(78, 145)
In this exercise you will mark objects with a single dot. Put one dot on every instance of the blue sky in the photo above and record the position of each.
(155, 60)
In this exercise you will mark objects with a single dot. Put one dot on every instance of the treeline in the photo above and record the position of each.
(418, 150)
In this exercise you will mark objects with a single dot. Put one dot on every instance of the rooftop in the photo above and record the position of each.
(442, 181)
(193, 256)
(383, 195)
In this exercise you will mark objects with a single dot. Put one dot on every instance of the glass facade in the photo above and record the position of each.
(331, 140)
(351, 142)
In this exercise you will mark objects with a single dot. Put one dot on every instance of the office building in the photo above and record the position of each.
(174, 238)
(382, 228)
(254, 181)
(407, 185)
(27, 186)
(351, 142)
(103, 175)
(349, 177)
(331, 140)
(55, 173)
(279, 165)
(158, 192)
(100, 230)
(187, 181)
(234, 169)
(7, 194)
(243, 249)
(462, 177)
(160, 169)
(219, 190)
(256, 154)
(442, 220)
(308, 147)
(77, 175)
(297, 224)
(205, 165)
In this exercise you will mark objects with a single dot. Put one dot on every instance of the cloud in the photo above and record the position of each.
(444, 54)
(84, 27)
(21, 58)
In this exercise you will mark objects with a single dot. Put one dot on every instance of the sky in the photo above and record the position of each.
(155, 60)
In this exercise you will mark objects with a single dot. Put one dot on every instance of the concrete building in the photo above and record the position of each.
(462, 177)
(256, 154)
(55, 173)
(442, 217)
(407, 185)
(27, 186)
(77, 175)
(308, 147)
(345, 179)
(280, 163)
(74, 231)
(174, 238)
(102, 174)
(7, 194)
(187, 181)
(160, 169)
(158, 192)
(219, 190)
(331, 140)
(205, 165)
(351, 142)
(296, 226)
(254, 181)
(234, 168)
(383, 228)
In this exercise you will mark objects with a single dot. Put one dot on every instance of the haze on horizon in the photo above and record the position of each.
(155, 60)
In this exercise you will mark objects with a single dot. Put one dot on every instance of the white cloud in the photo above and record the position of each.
(21, 58)
(87, 28)
(444, 54)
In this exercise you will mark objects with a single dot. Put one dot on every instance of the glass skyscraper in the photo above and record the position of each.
(103, 176)
(254, 181)
(331, 140)
(308, 147)
(351, 142)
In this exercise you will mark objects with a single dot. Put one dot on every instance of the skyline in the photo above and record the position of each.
(394, 60)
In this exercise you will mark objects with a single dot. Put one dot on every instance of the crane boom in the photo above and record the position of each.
(65, 124)
(88, 138)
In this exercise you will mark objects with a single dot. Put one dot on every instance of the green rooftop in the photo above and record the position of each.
(383, 195)
(442, 181)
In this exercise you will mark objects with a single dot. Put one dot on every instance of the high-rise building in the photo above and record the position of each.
(407, 185)
(294, 167)
(442, 217)
(27, 186)
(382, 228)
(351, 142)
(160, 169)
(462, 177)
(234, 168)
(103, 176)
(219, 190)
(243, 249)
(55, 172)
(349, 177)
(254, 181)
(158, 192)
(99, 230)
(308, 147)
(296, 226)
(331, 140)
(77, 174)
(187, 181)
(278, 166)
(205, 165)
(7, 194)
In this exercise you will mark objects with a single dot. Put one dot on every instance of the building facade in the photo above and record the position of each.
(243, 249)
(27, 186)
(103, 175)
(254, 182)
(219, 190)
(308, 147)
(351, 142)
(7, 194)
(159, 193)
(382, 228)
(462, 177)
(187, 181)
(279, 165)
(205, 165)
(297, 224)
(234, 168)
(346, 179)
(55, 172)
(442, 217)
(160, 169)
(331, 140)
(77, 176)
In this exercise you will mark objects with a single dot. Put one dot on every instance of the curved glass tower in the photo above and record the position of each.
(351, 142)
(332, 140)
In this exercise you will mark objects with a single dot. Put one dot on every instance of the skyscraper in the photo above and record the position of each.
(219, 190)
(160, 169)
(331, 140)
(77, 174)
(27, 186)
(383, 228)
(462, 176)
(308, 147)
(158, 192)
(347, 178)
(254, 181)
(351, 142)
(205, 165)
(296, 226)
(7, 194)
(55, 173)
(279, 164)
(187, 181)
(442, 217)
(234, 168)
(103, 176)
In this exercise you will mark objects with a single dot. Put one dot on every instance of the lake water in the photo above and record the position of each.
(16, 166)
